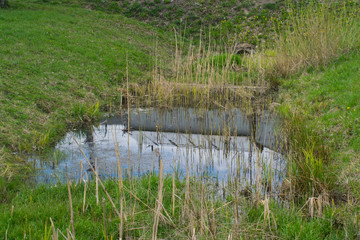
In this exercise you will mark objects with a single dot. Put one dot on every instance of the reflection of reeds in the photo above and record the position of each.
(217, 78)
(97, 177)
(197, 207)
(202, 207)
(128, 120)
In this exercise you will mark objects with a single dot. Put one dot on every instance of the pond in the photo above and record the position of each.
(211, 143)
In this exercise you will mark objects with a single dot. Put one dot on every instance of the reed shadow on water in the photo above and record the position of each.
(216, 143)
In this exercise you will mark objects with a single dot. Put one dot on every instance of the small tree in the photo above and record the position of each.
(3, 3)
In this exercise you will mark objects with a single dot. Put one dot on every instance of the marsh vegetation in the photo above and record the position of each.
(208, 144)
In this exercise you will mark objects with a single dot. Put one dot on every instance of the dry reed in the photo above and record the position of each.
(71, 210)
(159, 201)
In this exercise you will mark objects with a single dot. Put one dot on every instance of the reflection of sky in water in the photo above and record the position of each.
(213, 156)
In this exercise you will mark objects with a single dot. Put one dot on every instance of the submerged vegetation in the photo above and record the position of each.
(63, 65)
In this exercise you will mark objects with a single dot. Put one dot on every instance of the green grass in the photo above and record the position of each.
(296, 223)
(33, 208)
(58, 61)
(328, 102)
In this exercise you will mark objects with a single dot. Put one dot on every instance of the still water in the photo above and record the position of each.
(210, 143)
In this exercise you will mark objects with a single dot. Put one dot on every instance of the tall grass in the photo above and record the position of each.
(203, 75)
(314, 34)
(202, 214)
(307, 157)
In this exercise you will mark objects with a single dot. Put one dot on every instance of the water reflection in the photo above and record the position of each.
(186, 143)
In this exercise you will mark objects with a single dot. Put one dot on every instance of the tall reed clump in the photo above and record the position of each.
(202, 75)
(313, 35)
(307, 157)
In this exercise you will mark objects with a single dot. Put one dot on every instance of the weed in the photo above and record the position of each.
(313, 35)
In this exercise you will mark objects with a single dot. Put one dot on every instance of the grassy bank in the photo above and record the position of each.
(319, 101)
(193, 214)
(58, 62)
(326, 106)
(318, 53)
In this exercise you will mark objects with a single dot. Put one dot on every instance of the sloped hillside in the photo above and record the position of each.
(58, 60)
(225, 18)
